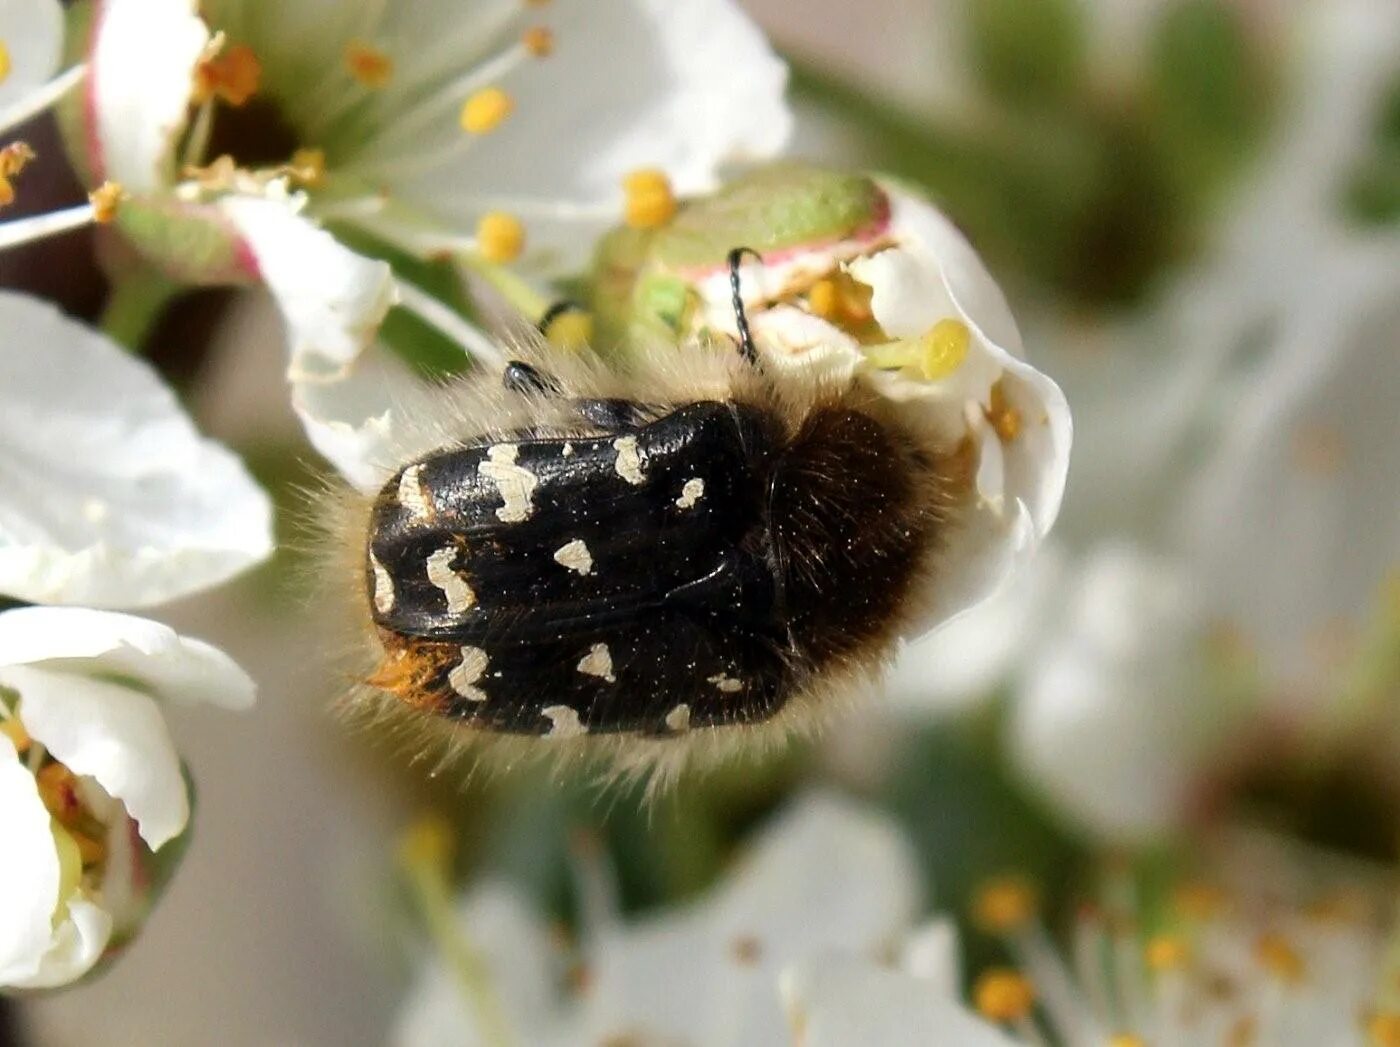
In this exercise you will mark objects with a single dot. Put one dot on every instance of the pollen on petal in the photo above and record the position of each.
(539, 41)
(106, 200)
(368, 65)
(945, 348)
(500, 237)
(650, 202)
(486, 110)
(232, 75)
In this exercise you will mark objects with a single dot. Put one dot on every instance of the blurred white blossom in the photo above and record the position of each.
(109, 496)
(93, 799)
(825, 876)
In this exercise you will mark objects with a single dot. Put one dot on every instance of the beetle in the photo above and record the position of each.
(683, 547)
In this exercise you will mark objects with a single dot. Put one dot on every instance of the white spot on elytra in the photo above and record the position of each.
(568, 450)
(565, 720)
(575, 556)
(678, 719)
(412, 496)
(516, 483)
(383, 586)
(629, 460)
(598, 662)
(691, 492)
(727, 684)
(459, 594)
(466, 673)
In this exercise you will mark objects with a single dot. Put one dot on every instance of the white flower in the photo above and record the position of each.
(90, 783)
(955, 363)
(826, 876)
(1302, 958)
(31, 41)
(108, 494)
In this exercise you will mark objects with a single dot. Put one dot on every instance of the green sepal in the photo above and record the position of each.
(188, 243)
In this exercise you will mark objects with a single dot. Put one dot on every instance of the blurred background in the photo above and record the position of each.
(1192, 206)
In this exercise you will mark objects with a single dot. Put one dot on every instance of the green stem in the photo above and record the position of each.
(135, 303)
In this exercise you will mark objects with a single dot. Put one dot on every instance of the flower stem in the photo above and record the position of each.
(135, 303)
(424, 854)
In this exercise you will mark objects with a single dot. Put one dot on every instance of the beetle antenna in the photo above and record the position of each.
(741, 318)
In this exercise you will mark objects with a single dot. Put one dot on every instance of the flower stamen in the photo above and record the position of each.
(650, 201)
(539, 41)
(1003, 995)
(6, 63)
(1004, 417)
(936, 354)
(486, 110)
(500, 237)
(368, 66)
(231, 75)
(106, 200)
(1004, 905)
(13, 159)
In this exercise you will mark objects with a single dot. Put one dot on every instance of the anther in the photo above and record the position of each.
(13, 159)
(1003, 995)
(1383, 1029)
(233, 75)
(6, 63)
(368, 66)
(539, 41)
(650, 201)
(935, 354)
(567, 325)
(1166, 952)
(500, 237)
(308, 166)
(106, 200)
(486, 110)
(1004, 905)
(1005, 418)
(1277, 956)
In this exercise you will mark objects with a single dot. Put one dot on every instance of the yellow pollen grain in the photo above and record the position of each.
(1004, 905)
(1166, 952)
(539, 41)
(1005, 418)
(106, 200)
(945, 347)
(308, 166)
(571, 330)
(15, 732)
(1383, 1029)
(486, 110)
(13, 159)
(6, 64)
(232, 75)
(650, 202)
(500, 237)
(367, 65)
(1003, 995)
(1279, 958)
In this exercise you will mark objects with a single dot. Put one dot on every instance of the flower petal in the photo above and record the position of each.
(29, 875)
(140, 72)
(76, 640)
(32, 34)
(1112, 722)
(840, 1000)
(78, 943)
(108, 494)
(587, 115)
(112, 733)
(332, 299)
(727, 948)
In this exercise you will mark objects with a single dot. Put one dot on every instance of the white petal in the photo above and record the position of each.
(705, 972)
(363, 423)
(965, 659)
(32, 33)
(29, 875)
(332, 299)
(175, 668)
(932, 954)
(1113, 722)
(632, 83)
(934, 274)
(838, 1001)
(108, 494)
(114, 734)
(1293, 520)
(78, 943)
(141, 69)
